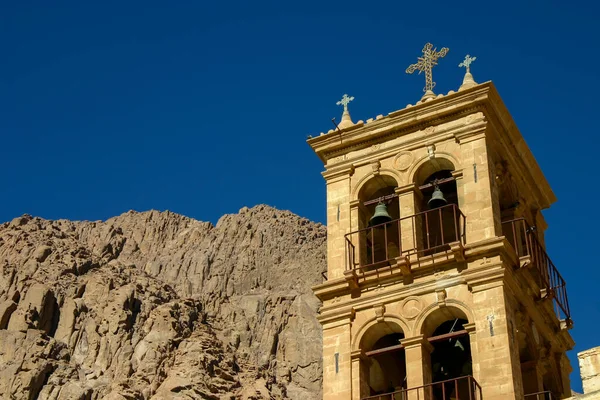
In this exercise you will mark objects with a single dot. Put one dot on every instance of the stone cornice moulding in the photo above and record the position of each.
(342, 173)
(489, 278)
(399, 293)
(337, 317)
(418, 142)
(409, 119)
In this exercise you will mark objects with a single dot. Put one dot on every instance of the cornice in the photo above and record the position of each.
(402, 121)
(337, 317)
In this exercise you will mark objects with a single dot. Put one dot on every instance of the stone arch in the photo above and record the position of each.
(426, 166)
(434, 314)
(386, 370)
(372, 330)
(384, 173)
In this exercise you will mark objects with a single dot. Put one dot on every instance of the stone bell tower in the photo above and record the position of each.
(438, 284)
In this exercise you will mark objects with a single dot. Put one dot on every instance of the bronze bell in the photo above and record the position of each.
(459, 345)
(437, 198)
(380, 216)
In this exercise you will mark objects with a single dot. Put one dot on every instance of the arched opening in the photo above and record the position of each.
(438, 221)
(450, 354)
(378, 238)
(387, 362)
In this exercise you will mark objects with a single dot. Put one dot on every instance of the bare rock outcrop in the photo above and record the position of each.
(156, 305)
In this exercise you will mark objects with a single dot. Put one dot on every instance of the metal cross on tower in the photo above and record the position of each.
(426, 63)
(344, 101)
(467, 62)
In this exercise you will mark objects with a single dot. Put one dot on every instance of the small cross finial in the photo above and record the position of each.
(426, 64)
(467, 62)
(344, 101)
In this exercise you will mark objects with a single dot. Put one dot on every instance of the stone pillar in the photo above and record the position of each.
(471, 328)
(589, 368)
(532, 376)
(477, 199)
(357, 215)
(458, 179)
(360, 375)
(498, 368)
(407, 198)
(418, 366)
(338, 221)
(337, 366)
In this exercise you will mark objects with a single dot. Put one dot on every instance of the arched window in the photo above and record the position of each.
(386, 360)
(451, 361)
(439, 220)
(378, 238)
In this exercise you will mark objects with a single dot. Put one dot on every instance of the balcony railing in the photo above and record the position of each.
(463, 388)
(547, 395)
(425, 233)
(525, 243)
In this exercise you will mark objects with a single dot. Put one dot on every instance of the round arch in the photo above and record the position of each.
(434, 315)
(373, 330)
(425, 166)
(388, 175)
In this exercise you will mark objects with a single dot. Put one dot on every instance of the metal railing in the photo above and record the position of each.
(425, 233)
(463, 388)
(525, 243)
(547, 395)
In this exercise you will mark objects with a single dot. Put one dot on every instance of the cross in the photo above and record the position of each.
(344, 101)
(467, 63)
(426, 63)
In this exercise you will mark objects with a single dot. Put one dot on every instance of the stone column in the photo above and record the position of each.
(476, 190)
(357, 213)
(418, 366)
(498, 368)
(360, 375)
(532, 377)
(407, 198)
(337, 367)
(471, 328)
(338, 220)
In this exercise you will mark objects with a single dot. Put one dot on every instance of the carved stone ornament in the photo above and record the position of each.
(379, 312)
(375, 165)
(429, 130)
(376, 147)
(340, 158)
(411, 307)
(469, 119)
(441, 297)
(403, 160)
(431, 151)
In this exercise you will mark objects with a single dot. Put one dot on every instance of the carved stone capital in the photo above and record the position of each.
(417, 341)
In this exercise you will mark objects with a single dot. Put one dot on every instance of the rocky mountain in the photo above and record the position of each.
(156, 305)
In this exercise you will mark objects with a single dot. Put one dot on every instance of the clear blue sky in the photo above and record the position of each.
(204, 107)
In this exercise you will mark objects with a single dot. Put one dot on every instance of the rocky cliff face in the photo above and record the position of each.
(156, 305)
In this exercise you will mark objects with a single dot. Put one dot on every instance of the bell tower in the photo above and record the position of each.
(439, 284)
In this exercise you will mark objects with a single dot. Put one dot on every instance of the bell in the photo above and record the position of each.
(380, 216)
(437, 199)
(459, 345)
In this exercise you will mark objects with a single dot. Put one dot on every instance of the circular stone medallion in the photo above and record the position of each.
(403, 160)
(411, 307)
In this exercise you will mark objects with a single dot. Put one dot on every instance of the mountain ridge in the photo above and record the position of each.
(242, 284)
